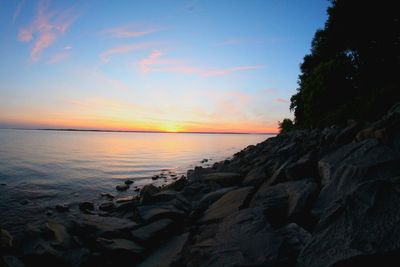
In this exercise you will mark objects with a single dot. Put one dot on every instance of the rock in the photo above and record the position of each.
(3, 184)
(344, 169)
(107, 195)
(125, 199)
(223, 178)
(89, 227)
(244, 238)
(178, 185)
(85, 206)
(360, 230)
(255, 177)
(107, 206)
(12, 261)
(59, 233)
(62, 208)
(122, 187)
(154, 232)
(150, 213)
(24, 202)
(119, 251)
(227, 204)
(6, 240)
(168, 252)
(155, 177)
(163, 196)
(40, 253)
(305, 167)
(147, 192)
(128, 182)
(287, 202)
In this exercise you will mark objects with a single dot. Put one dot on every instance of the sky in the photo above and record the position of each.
(166, 65)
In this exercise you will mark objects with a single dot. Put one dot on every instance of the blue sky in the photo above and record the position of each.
(153, 65)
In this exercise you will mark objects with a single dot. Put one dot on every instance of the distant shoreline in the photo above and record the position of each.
(129, 131)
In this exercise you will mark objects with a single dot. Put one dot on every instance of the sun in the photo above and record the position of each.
(171, 128)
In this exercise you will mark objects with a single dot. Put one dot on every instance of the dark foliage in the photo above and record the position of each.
(286, 125)
(353, 70)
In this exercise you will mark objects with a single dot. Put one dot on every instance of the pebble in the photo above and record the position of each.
(122, 187)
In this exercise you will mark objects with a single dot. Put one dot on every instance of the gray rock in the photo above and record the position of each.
(150, 213)
(168, 254)
(122, 187)
(287, 202)
(154, 232)
(147, 192)
(6, 240)
(177, 185)
(227, 204)
(128, 182)
(60, 234)
(118, 251)
(360, 230)
(92, 226)
(107, 206)
(62, 208)
(223, 178)
(244, 238)
(125, 199)
(107, 195)
(255, 177)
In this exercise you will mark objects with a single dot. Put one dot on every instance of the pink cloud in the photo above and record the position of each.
(129, 31)
(123, 49)
(154, 63)
(282, 100)
(45, 28)
(58, 57)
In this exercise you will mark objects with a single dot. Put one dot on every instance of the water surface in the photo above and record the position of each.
(39, 169)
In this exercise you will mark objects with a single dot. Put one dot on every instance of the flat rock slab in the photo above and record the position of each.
(149, 213)
(153, 232)
(102, 226)
(227, 204)
(167, 253)
(223, 178)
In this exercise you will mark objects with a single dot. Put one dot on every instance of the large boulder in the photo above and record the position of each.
(360, 230)
(344, 169)
(150, 213)
(147, 192)
(290, 201)
(154, 232)
(227, 204)
(244, 238)
(223, 178)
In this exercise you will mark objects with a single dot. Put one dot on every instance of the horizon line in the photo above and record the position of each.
(128, 131)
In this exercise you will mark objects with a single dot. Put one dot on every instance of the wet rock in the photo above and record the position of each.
(128, 182)
(125, 199)
(107, 206)
(155, 177)
(223, 178)
(154, 232)
(107, 195)
(168, 253)
(86, 206)
(6, 240)
(122, 187)
(360, 230)
(59, 233)
(62, 208)
(227, 204)
(178, 185)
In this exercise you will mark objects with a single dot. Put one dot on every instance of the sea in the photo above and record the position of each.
(41, 168)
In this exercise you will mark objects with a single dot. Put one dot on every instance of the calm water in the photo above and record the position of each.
(39, 169)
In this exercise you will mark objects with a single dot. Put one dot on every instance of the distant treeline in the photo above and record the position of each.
(353, 70)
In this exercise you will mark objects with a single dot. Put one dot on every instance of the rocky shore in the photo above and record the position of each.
(312, 198)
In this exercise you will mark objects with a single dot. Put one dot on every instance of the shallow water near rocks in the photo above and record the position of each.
(39, 169)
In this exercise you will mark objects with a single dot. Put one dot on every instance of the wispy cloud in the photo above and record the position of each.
(123, 49)
(17, 10)
(154, 63)
(58, 57)
(129, 31)
(282, 100)
(47, 26)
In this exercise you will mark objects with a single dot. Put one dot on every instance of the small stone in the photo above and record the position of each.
(84, 206)
(62, 208)
(128, 182)
(122, 187)
(155, 177)
(137, 189)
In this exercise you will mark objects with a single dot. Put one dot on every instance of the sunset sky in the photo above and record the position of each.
(199, 65)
